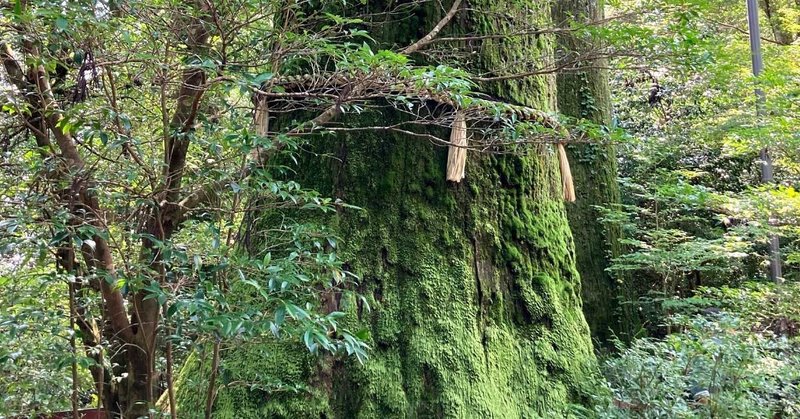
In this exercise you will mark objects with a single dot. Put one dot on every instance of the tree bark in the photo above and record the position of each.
(585, 95)
(475, 296)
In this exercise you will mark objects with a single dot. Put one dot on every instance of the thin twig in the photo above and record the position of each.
(212, 379)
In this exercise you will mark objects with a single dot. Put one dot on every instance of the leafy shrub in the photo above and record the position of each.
(719, 364)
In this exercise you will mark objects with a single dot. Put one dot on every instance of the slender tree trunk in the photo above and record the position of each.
(779, 20)
(74, 347)
(475, 297)
(585, 94)
(170, 382)
(775, 264)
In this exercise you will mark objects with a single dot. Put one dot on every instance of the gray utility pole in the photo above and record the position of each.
(775, 270)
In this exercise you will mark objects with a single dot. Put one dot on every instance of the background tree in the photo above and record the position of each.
(584, 95)
(698, 212)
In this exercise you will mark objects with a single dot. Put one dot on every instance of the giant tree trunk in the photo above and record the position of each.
(585, 94)
(475, 297)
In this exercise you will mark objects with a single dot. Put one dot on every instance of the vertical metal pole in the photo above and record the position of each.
(755, 40)
(775, 269)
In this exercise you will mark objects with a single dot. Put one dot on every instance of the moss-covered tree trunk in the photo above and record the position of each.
(474, 294)
(585, 95)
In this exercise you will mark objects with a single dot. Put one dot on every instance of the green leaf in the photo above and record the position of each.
(172, 309)
(61, 23)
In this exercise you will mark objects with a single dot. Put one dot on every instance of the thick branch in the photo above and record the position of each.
(192, 89)
(164, 220)
(49, 108)
(425, 40)
(34, 120)
(193, 85)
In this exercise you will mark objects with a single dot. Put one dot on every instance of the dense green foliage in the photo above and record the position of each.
(694, 210)
(251, 196)
(695, 214)
(735, 354)
(35, 347)
(141, 181)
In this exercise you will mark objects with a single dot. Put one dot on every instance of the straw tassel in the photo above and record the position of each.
(261, 117)
(457, 152)
(566, 174)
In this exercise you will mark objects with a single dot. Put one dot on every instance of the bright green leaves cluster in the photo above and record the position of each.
(669, 234)
(695, 212)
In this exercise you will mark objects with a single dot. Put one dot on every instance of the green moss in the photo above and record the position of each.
(473, 286)
(471, 316)
(258, 380)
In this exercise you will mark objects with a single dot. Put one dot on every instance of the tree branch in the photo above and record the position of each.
(49, 108)
(35, 121)
(425, 40)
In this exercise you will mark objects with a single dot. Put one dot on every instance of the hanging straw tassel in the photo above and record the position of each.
(566, 174)
(261, 117)
(457, 152)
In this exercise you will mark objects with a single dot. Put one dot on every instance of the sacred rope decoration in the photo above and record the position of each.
(337, 91)
(457, 153)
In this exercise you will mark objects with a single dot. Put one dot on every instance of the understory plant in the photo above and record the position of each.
(730, 356)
